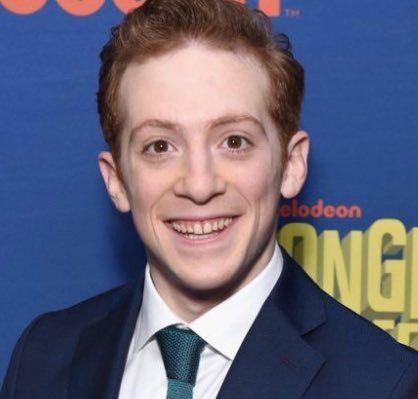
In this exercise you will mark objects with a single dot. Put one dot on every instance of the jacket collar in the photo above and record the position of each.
(274, 360)
(99, 360)
(273, 350)
(298, 297)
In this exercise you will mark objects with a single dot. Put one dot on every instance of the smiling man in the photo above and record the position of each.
(200, 169)
(200, 103)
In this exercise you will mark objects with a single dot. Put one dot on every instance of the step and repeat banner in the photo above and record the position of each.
(354, 227)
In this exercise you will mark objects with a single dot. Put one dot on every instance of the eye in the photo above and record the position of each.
(158, 147)
(236, 143)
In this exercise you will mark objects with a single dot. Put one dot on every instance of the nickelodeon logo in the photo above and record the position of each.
(319, 210)
(81, 8)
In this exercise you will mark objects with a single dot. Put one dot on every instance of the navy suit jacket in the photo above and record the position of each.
(303, 344)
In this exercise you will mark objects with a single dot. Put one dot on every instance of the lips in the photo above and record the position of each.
(200, 229)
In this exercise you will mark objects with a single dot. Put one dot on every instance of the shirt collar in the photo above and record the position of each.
(154, 314)
(236, 314)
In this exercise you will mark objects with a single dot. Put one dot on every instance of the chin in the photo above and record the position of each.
(209, 285)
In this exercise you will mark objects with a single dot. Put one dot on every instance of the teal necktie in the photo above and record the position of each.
(180, 350)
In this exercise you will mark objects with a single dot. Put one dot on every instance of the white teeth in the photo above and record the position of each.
(200, 228)
(207, 228)
(197, 228)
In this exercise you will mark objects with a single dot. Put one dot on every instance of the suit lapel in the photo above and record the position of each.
(100, 356)
(274, 360)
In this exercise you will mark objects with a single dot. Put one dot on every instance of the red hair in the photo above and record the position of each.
(160, 26)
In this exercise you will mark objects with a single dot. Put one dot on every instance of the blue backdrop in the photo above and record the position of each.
(61, 240)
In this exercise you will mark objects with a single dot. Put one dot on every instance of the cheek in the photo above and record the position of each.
(149, 189)
(144, 192)
(260, 182)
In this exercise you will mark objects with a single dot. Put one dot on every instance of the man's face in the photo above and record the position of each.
(200, 160)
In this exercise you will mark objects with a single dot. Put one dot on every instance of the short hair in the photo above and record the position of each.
(160, 26)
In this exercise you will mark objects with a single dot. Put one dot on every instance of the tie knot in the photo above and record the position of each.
(180, 350)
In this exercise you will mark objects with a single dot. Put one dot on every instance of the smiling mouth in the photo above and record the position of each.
(198, 230)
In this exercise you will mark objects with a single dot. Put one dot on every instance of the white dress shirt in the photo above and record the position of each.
(223, 327)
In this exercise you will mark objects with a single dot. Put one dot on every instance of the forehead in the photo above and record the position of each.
(192, 85)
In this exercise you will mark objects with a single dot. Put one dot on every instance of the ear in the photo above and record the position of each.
(113, 182)
(296, 165)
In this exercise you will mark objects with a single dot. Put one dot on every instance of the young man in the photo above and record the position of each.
(200, 105)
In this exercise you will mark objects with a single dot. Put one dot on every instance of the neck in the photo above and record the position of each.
(189, 302)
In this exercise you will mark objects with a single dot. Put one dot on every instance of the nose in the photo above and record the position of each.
(199, 180)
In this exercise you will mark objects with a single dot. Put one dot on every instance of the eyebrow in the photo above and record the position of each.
(159, 123)
(235, 118)
(223, 120)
